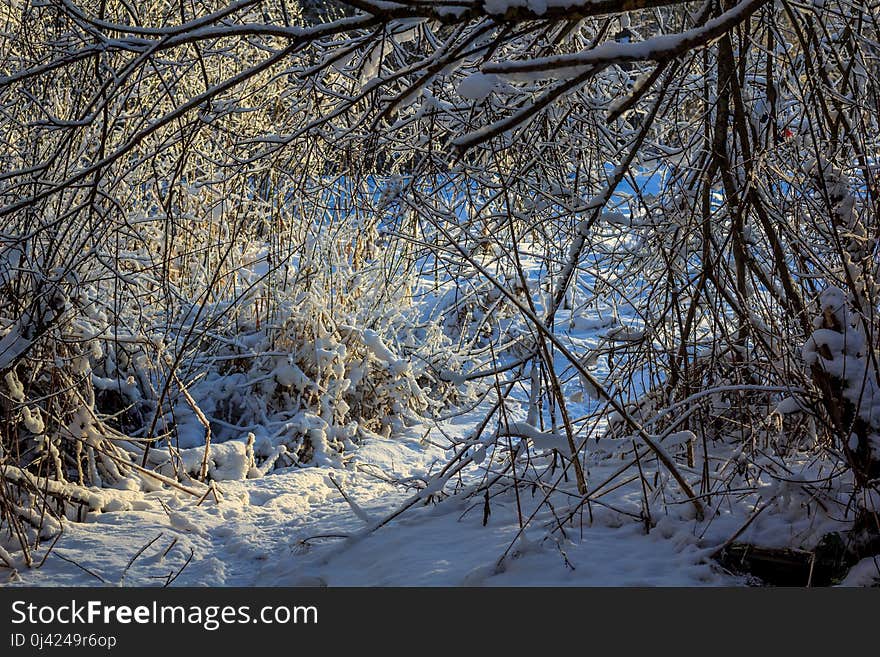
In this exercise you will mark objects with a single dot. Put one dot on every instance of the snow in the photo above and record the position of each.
(374, 341)
(477, 86)
(679, 438)
(541, 439)
(833, 299)
(840, 352)
(788, 405)
(12, 346)
(289, 374)
(268, 532)
(537, 7)
(13, 385)
(864, 573)
(231, 460)
(33, 420)
(288, 529)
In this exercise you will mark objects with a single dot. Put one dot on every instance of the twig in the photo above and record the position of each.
(200, 416)
(358, 511)
(140, 552)
(81, 567)
(192, 553)
(739, 531)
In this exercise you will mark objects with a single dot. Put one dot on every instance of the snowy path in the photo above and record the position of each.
(255, 537)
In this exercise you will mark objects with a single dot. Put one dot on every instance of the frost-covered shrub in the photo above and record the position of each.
(58, 404)
(844, 367)
(231, 354)
(53, 337)
(318, 350)
(321, 379)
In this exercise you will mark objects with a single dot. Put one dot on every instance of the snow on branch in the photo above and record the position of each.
(511, 11)
(658, 48)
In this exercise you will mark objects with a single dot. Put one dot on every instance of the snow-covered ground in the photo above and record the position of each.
(289, 529)
(283, 530)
